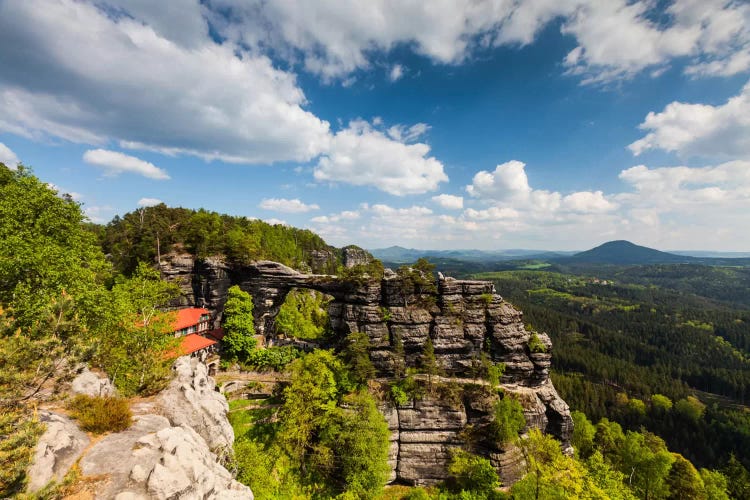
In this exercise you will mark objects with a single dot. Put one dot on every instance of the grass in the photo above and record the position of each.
(101, 414)
(254, 419)
(533, 266)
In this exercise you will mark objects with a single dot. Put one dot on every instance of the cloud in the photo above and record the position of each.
(128, 72)
(615, 39)
(449, 201)
(294, 206)
(214, 101)
(346, 215)
(8, 157)
(675, 207)
(508, 181)
(402, 133)
(587, 202)
(677, 188)
(397, 71)
(619, 39)
(149, 202)
(275, 222)
(700, 129)
(115, 163)
(98, 214)
(363, 156)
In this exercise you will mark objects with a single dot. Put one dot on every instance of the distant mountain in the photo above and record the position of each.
(397, 254)
(623, 252)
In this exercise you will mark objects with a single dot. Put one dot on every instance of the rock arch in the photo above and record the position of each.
(463, 319)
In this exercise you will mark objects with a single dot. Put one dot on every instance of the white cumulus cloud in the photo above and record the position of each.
(143, 80)
(284, 205)
(449, 201)
(114, 163)
(700, 129)
(8, 157)
(363, 156)
(149, 202)
(615, 38)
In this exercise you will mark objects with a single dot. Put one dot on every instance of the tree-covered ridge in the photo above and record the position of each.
(150, 232)
(623, 345)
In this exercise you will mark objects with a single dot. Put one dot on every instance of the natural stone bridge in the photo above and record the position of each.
(465, 320)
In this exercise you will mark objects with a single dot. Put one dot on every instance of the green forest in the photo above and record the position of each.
(638, 359)
(148, 233)
(649, 347)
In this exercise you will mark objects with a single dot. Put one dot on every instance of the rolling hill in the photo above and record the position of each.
(623, 252)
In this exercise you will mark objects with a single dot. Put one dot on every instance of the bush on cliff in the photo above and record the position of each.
(472, 476)
(101, 414)
(509, 419)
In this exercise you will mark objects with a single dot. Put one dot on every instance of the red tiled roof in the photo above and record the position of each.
(217, 333)
(194, 342)
(188, 317)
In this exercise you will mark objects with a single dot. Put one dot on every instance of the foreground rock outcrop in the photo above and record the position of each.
(57, 450)
(153, 459)
(169, 452)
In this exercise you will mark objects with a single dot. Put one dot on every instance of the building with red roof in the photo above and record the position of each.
(193, 343)
(191, 325)
(191, 320)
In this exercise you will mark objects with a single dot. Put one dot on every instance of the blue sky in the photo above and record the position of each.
(447, 124)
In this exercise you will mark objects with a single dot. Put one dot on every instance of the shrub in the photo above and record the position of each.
(272, 358)
(536, 345)
(385, 314)
(101, 414)
(20, 432)
(509, 419)
(472, 473)
(406, 389)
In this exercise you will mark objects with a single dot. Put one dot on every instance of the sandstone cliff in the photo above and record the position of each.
(463, 319)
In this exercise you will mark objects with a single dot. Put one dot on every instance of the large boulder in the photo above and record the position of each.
(56, 451)
(191, 400)
(91, 384)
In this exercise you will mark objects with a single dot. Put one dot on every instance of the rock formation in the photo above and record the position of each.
(56, 451)
(191, 401)
(169, 451)
(91, 384)
(465, 320)
(355, 256)
(152, 459)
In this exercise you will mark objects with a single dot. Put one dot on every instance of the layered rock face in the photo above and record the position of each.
(463, 320)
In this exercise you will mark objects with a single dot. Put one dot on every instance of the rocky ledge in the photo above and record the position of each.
(167, 453)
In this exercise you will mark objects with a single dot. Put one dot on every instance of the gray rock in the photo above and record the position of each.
(56, 451)
(191, 400)
(155, 460)
(91, 384)
(355, 256)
